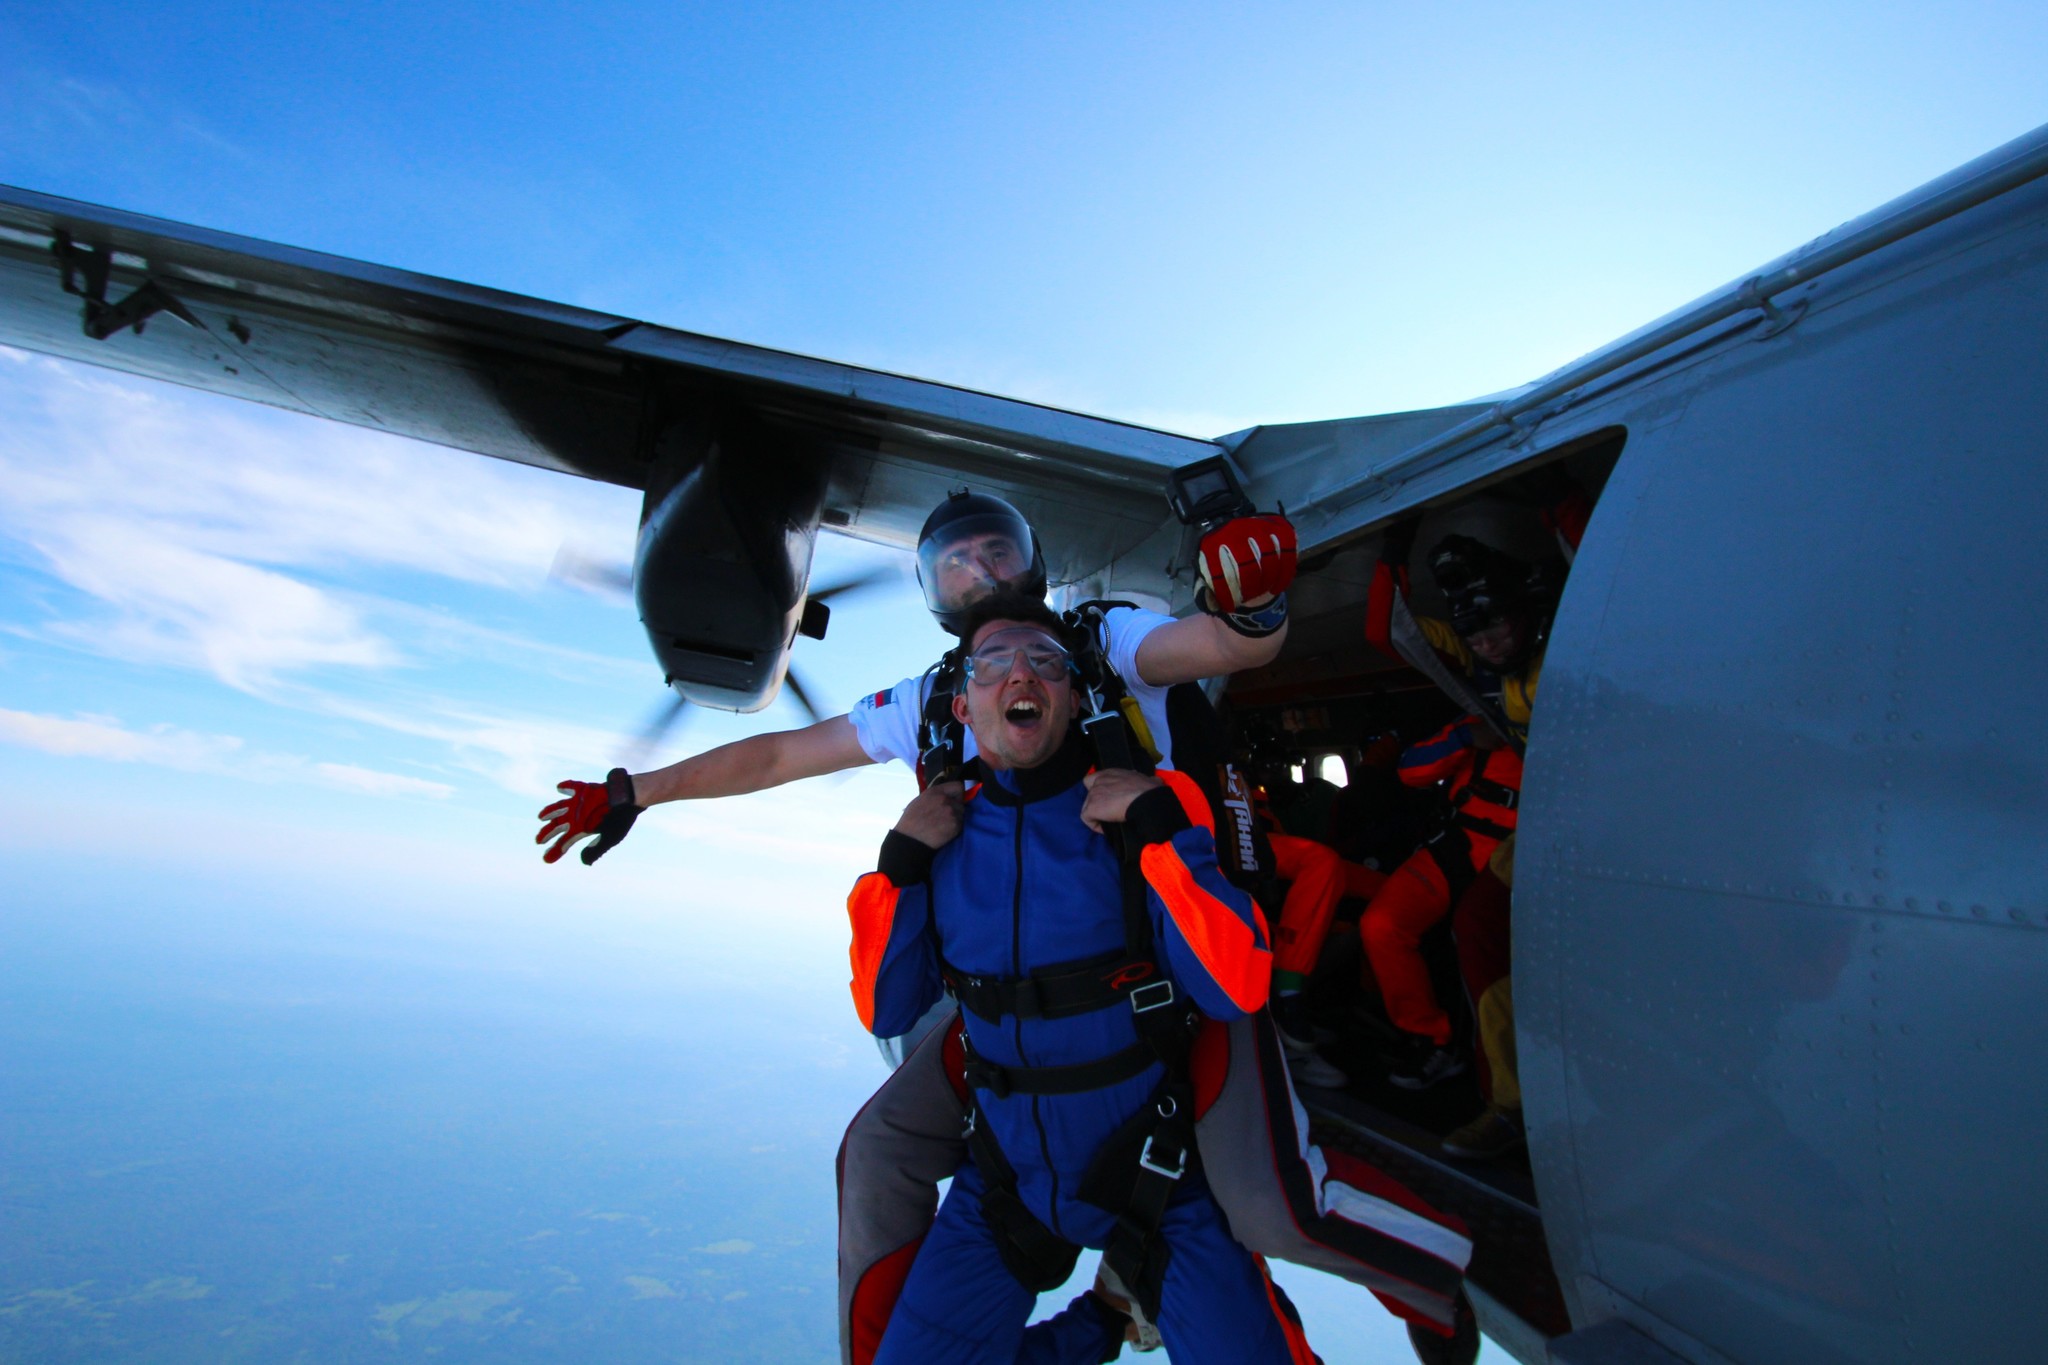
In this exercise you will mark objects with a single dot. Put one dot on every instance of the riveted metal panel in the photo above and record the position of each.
(1782, 921)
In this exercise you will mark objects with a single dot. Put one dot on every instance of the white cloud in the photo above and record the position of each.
(522, 754)
(168, 746)
(177, 605)
(104, 737)
(249, 483)
(370, 782)
(198, 521)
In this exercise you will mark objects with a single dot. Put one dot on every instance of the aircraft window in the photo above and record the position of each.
(1298, 772)
(1332, 770)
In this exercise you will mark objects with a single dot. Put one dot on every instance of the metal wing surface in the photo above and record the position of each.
(551, 385)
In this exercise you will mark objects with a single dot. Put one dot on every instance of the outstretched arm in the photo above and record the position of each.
(605, 811)
(755, 763)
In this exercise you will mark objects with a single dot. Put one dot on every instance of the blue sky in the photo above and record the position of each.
(1179, 214)
(238, 646)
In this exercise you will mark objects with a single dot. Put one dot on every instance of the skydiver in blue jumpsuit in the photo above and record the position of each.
(1015, 876)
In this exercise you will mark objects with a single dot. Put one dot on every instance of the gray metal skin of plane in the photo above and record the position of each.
(1782, 953)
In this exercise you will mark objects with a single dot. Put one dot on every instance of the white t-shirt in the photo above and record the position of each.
(886, 722)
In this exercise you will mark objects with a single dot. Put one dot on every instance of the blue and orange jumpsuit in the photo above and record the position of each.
(1026, 886)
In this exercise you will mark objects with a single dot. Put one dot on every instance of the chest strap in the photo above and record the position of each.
(1056, 992)
(1165, 1027)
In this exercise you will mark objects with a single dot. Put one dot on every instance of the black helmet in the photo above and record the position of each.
(970, 544)
(1481, 584)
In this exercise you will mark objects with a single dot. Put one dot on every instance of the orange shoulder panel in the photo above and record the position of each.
(1227, 947)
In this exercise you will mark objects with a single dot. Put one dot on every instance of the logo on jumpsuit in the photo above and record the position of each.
(1130, 974)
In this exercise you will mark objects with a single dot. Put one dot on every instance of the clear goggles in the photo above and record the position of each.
(963, 561)
(996, 657)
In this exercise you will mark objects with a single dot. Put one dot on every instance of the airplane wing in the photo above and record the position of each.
(543, 383)
(757, 448)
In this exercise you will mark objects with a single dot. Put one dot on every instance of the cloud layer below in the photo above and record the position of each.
(167, 746)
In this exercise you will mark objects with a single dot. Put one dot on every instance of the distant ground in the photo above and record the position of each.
(245, 1132)
(258, 1126)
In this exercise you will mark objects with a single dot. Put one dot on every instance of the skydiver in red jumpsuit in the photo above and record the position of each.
(1496, 637)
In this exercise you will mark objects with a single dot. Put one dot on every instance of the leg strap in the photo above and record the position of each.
(1451, 851)
(1038, 1257)
(1135, 1176)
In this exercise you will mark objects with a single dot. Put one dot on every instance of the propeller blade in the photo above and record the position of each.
(817, 612)
(657, 728)
(799, 694)
(588, 573)
(858, 583)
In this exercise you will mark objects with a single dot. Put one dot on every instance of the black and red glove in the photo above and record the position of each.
(603, 811)
(1247, 558)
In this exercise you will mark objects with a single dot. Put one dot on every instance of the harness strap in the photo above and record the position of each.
(1100, 1074)
(1486, 789)
(1110, 735)
(1135, 1175)
(1039, 1258)
(941, 742)
(1475, 824)
(1451, 850)
(1055, 992)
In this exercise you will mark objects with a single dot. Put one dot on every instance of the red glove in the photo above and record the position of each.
(1247, 558)
(603, 811)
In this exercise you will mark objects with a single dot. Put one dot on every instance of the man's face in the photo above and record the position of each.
(973, 566)
(1018, 718)
(1498, 643)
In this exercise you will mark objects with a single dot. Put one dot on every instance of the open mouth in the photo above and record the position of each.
(1023, 711)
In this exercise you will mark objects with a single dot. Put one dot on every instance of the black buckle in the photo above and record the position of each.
(1141, 1004)
(1486, 789)
(987, 1076)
